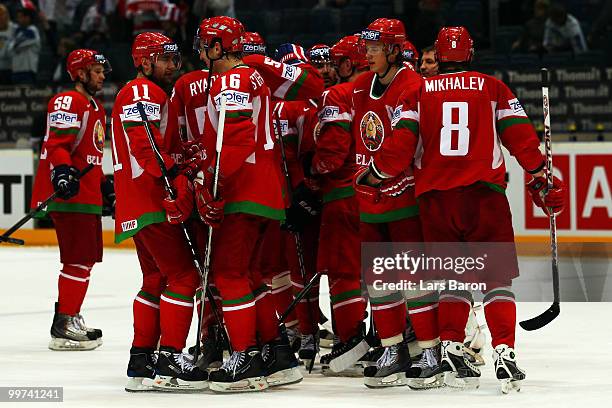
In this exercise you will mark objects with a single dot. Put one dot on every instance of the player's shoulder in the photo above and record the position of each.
(68, 101)
(190, 77)
(255, 60)
(340, 92)
(363, 82)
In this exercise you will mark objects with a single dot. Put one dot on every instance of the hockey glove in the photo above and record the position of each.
(108, 197)
(553, 199)
(396, 186)
(305, 204)
(210, 210)
(179, 209)
(290, 54)
(65, 182)
(364, 189)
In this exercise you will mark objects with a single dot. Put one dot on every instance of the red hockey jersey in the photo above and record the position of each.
(335, 145)
(250, 173)
(287, 82)
(372, 124)
(75, 136)
(456, 124)
(138, 186)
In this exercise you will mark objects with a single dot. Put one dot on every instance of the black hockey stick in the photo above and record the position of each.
(172, 194)
(553, 311)
(297, 238)
(6, 237)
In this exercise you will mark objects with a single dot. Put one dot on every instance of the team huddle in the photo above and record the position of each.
(241, 183)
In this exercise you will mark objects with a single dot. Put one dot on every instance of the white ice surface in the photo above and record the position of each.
(567, 363)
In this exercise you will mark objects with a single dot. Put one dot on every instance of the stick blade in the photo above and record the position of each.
(11, 240)
(542, 320)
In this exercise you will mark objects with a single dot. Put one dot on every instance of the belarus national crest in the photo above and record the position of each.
(98, 136)
(372, 131)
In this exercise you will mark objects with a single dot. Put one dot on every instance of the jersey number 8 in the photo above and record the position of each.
(460, 127)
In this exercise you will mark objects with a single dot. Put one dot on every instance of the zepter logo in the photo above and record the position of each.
(370, 35)
(168, 48)
(372, 131)
(98, 136)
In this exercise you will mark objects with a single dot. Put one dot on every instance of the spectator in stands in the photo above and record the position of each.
(562, 31)
(429, 63)
(601, 26)
(7, 29)
(60, 74)
(95, 27)
(24, 46)
(210, 8)
(532, 38)
(145, 15)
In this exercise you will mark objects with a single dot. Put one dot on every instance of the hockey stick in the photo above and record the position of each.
(207, 292)
(172, 194)
(553, 311)
(207, 253)
(297, 238)
(6, 236)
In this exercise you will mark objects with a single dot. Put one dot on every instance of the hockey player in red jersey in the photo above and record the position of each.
(410, 55)
(250, 187)
(455, 123)
(164, 306)
(389, 220)
(332, 167)
(76, 124)
(253, 44)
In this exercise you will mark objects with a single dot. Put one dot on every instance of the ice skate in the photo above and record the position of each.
(426, 372)
(458, 371)
(282, 367)
(67, 334)
(175, 372)
(244, 371)
(141, 370)
(506, 370)
(390, 369)
(211, 350)
(345, 355)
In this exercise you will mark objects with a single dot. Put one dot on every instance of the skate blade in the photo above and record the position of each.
(167, 383)
(508, 385)
(419, 384)
(247, 385)
(393, 380)
(461, 383)
(285, 377)
(139, 384)
(349, 358)
(58, 344)
(351, 372)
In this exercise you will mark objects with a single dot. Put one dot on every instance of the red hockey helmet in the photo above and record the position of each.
(454, 44)
(228, 30)
(348, 47)
(83, 59)
(253, 43)
(319, 54)
(150, 44)
(389, 31)
(409, 52)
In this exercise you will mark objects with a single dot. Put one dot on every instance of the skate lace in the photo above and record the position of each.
(184, 361)
(265, 352)
(307, 342)
(388, 358)
(233, 362)
(79, 321)
(428, 359)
